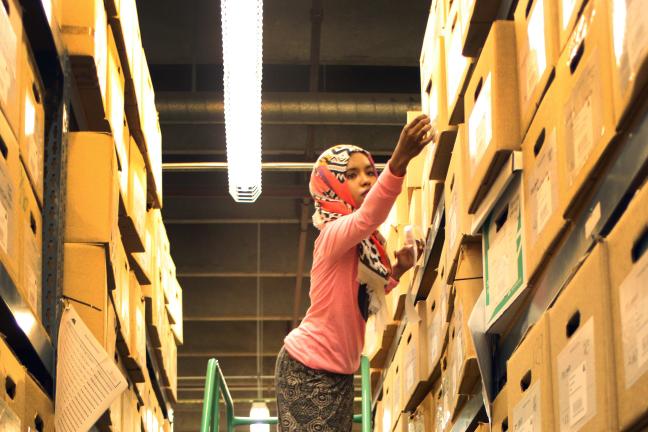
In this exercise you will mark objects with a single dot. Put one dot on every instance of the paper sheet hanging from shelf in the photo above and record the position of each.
(87, 379)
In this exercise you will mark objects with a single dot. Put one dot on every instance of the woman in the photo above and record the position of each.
(314, 371)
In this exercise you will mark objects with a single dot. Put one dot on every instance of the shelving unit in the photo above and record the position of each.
(34, 340)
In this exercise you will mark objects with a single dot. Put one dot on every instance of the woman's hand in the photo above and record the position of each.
(413, 139)
(405, 259)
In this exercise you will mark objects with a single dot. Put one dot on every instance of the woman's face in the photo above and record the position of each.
(360, 176)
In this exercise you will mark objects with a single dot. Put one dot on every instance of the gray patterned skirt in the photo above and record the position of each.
(312, 400)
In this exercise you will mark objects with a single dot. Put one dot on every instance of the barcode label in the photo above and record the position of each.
(577, 385)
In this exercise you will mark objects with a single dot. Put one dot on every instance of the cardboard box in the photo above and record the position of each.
(444, 413)
(31, 246)
(543, 180)
(11, 33)
(39, 408)
(402, 208)
(458, 225)
(141, 262)
(536, 34)
(10, 174)
(174, 310)
(435, 315)
(137, 322)
(628, 276)
(402, 425)
(433, 72)
(461, 351)
(500, 414)
(567, 21)
(629, 74)
(92, 188)
(85, 282)
(133, 222)
(416, 208)
(415, 379)
(398, 398)
(430, 197)
(469, 262)
(458, 67)
(12, 388)
(32, 114)
(84, 28)
(530, 395)
(387, 396)
(476, 19)
(504, 249)
(582, 351)
(115, 111)
(414, 175)
(584, 79)
(491, 111)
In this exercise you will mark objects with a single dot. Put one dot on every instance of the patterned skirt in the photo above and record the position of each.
(312, 400)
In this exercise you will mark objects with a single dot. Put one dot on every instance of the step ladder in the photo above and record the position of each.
(215, 386)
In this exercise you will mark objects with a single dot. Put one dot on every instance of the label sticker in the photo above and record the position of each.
(577, 389)
(542, 187)
(4, 228)
(480, 124)
(433, 339)
(9, 420)
(577, 379)
(526, 414)
(567, 10)
(503, 251)
(535, 61)
(633, 303)
(8, 59)
(637, 26)
(410, 368)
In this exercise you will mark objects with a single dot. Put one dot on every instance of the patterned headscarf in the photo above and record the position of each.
(333, 200)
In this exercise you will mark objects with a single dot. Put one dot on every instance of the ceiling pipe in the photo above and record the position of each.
(311, 108)
(222, 166)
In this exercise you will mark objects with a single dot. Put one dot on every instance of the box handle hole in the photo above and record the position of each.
(576, 58)
(539, 142)
(32, 223)
(480, 83)
(573, 324)
(525, 382)
(501, 219)
(452, 181)
(505, 425)
(36, 93)
(10, 387)
(38, 423)
(409, 339)
(640, 246)
(528, 8)
(433, 306)
(3, 148)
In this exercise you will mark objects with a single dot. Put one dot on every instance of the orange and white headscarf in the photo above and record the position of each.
(333, 200)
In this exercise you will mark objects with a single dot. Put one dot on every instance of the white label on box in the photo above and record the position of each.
(480, 124)
(30, 115)
(455, 64)
(526, 414)
(9, 420)
(101, 49)
(452, 221)
(582, 137)
(567, 10)
(433, 339)
(8, 60)
(536, 58)
(4, 228)
(577, 379)
(543, 188)
(577, 388)
(636, 28)
(410, 369)
(503, 255)
(633, 303)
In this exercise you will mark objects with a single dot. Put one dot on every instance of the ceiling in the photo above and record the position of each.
(361, 60)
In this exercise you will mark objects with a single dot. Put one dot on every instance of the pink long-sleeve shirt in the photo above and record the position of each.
(331, 335)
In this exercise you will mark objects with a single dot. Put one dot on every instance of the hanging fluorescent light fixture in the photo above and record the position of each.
(242, 24)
